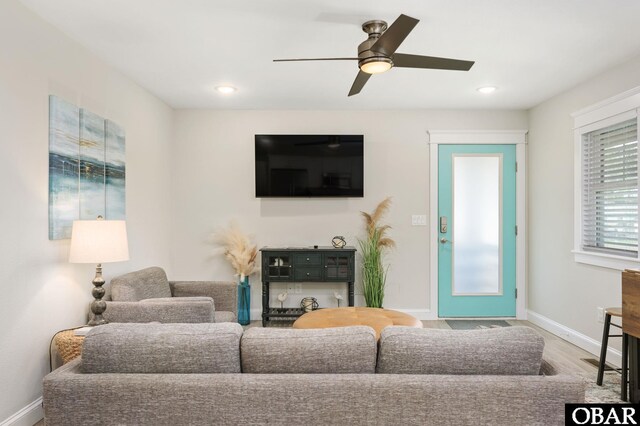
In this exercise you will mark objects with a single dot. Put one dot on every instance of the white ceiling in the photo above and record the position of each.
(181, 49)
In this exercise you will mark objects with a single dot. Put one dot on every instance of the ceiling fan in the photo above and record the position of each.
(377, 53)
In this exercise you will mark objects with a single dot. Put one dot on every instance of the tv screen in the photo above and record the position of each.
(309, 166)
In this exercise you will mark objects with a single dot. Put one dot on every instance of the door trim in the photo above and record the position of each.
(479, 137)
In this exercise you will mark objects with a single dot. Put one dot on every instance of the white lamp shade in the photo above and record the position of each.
(98, 241)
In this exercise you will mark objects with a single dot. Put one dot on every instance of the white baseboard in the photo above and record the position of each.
(583, 341)
(421, 314)
(28, 416)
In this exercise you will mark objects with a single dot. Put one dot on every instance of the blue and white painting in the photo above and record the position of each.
(64, 148)
(115, 171)
(92, 155)
(86, 167)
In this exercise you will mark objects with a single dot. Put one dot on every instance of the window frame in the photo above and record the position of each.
(620, 108)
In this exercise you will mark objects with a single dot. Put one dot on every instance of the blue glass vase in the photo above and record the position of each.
(244, 301)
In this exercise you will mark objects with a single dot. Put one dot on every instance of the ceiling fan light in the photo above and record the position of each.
(376, 66)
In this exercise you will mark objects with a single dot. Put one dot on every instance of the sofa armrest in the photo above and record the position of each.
(161, 310)
(224, 293)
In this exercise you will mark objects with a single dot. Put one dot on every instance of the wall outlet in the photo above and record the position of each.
(297, 288)
(419, 220)
(600, 314)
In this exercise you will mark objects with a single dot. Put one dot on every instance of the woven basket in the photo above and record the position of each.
(69, 345)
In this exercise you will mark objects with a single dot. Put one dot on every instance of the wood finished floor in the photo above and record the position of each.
(566, 355)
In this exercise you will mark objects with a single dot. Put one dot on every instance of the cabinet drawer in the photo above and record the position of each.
(301, 259)
(307, 274)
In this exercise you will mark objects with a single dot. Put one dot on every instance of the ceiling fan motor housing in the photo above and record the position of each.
(365, 54)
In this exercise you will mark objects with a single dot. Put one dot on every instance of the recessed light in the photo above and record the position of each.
(486, 89)
(226, 89)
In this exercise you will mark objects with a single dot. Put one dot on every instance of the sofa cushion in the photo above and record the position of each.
(494, 351)
(162, 348)
(328, 350)
(225, 316)
(138, 285)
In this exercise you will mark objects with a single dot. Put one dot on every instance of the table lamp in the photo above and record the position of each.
(98, 241)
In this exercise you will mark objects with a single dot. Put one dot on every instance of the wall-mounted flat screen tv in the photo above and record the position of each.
(309, 166)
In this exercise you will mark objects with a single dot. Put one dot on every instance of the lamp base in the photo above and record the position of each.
(97, 320)
(98, 306)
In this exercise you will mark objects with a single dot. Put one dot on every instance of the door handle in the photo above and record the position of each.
(444, 240)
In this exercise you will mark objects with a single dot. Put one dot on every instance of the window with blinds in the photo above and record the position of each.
(610, 189)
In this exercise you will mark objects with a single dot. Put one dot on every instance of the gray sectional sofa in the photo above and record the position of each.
(192, 374)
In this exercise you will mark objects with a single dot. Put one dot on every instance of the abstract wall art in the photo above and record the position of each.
(64, 145)
(114, 171)
(86, 167)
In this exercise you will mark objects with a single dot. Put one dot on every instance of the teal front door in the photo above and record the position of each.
(477, 230)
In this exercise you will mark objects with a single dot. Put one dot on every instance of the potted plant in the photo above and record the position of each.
(241, 254)
(373, 248)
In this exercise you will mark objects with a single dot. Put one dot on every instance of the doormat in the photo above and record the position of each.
(476, 324)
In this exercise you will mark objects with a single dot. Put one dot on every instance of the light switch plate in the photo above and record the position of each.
(419, 220)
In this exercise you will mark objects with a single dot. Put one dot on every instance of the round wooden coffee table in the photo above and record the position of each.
(343, 317)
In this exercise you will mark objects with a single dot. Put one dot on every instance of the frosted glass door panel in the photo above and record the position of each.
(477, 220)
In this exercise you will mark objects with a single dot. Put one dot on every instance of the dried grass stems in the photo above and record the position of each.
(238, 249)
(374, 274)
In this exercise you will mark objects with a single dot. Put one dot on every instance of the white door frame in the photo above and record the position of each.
(480, 137)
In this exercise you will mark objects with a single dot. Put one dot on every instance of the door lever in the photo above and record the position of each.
(444, 240)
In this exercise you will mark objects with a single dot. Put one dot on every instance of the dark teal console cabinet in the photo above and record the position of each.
(304, 264)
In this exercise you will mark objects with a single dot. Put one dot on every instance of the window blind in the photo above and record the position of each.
(610, 189)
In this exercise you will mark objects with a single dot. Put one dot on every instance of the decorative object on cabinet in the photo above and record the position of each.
(241, 253)
(98, 241)
(86, 167)
(374, 274)
(282, 297)
(309, 304)
(338, 297)
(338, 241)
(303, 265)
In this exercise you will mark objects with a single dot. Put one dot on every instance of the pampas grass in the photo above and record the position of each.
(238, 250)
(374, 274)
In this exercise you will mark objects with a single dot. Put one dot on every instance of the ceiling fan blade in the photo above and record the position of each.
(358, 84)
(403, 60)
(315, 59)
(391, 39)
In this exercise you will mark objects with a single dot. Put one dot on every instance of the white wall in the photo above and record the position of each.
(40, 292)
(559, 288)
(213, 165)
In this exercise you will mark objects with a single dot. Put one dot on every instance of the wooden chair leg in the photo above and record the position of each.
(603, 349)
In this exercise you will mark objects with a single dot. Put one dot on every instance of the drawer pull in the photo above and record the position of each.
(308, 273)
(307, 259)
